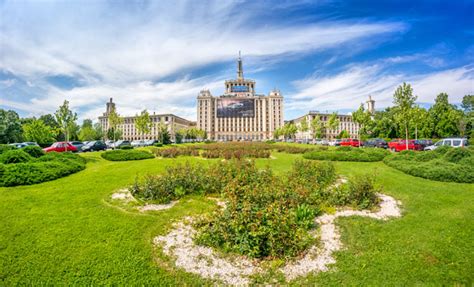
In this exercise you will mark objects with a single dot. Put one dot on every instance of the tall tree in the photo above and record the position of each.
(304, 127)
(317, 127)
(66, 119)
(99, 132)
(333, 123)
(49, 120)
(10, 127)
(289, 131)
(468, 118)
(143, 123)
(114, 121)
(385, 124)
(87, 133)
(404, 101)
(37, 131)
(445, 116)
(364, 119)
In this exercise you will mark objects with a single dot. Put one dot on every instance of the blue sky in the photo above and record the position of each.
(157, 55)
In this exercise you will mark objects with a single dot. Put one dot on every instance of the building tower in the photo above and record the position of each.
(371, 105)
(110, 107)
(240, 71)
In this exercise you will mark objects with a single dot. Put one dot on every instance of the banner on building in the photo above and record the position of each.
(235, 108)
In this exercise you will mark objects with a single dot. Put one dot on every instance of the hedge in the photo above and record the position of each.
(442, 164)
(125, 155)
(44, 168)
(348, 154)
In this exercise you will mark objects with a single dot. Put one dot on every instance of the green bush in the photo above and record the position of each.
(124, 155)
(34, 151)
(158, 144)
(348, 154)
(125, 147)
(6, 147)
(360, 193)
(442, 164)
(47, 167)
(15, 156)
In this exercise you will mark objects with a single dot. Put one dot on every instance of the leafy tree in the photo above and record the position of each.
(10, 127)
(50, 121)
(143, 123)
(66, 119)
(304, 127)
(277, 133)
(114, 121)
(99, 132)
(289, 131)
(385, 124)
(163, 133)
(364, 119)
(404, 101)
(333, 123)
(87, 133)
(343, 135)
(317, 127)
(37, 131)
(468, 118)
(445, 116)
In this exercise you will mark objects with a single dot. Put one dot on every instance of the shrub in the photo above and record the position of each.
(350, 154)
(15, 156)
(442, 164)
(361, 193)
(34, 151)
(6, 147)
(47, 167)
(124, 155)
(158, 144)
(455, 155)
(126, 147)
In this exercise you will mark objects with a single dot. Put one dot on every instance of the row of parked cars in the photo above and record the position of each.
(398, 144)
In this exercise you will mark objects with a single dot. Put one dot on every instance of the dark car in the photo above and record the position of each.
(94, 146)
(425, 143)
(378, 143)
(77, 144)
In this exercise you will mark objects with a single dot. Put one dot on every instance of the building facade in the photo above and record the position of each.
(240, 113)
(172, 122)
(345, 123)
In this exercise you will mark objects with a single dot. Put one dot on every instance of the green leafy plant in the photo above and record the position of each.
(124, 155)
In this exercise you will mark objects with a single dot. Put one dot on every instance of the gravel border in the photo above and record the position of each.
(207, 263)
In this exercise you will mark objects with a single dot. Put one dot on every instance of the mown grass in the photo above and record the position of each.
(63, 232)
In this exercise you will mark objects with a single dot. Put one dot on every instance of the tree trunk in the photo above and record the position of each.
(416, 132)
(406, 136)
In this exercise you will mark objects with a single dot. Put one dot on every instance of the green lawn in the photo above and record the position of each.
(64, 232)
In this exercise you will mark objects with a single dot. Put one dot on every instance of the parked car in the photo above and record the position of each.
(61, 147)
(109, 143)
(31, 143)
(377, 143)
(399, 145)
(121, 143)
(350, 142)
(452, 142)
(77, 144)
(138, 143)
(18, 145)
(150, 142)
(94, 146)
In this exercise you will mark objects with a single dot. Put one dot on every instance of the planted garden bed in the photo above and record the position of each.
(347, 153)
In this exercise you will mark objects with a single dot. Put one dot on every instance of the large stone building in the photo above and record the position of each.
(345, 123)
(240, 113)
(129, 132)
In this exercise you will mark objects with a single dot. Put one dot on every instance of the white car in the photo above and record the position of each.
(138, 143)
(452, 142)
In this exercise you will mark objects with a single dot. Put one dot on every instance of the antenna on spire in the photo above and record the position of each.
(240, 72)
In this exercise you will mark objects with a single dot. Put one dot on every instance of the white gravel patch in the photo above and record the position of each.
(207, 263)
(156, 207)
(203, 260)
(123, 195)
(318, 259)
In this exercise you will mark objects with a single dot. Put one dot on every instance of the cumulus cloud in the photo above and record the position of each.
(348, 89)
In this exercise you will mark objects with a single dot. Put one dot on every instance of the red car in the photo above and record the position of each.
(61, 147)
(399, 145)
(350, 142)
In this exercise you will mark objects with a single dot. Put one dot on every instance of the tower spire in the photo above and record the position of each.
(240, 72)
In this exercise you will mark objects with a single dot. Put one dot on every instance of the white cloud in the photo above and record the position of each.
(348, 89)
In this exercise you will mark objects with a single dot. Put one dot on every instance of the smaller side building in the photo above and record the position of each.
(345, 123)
(129, 132)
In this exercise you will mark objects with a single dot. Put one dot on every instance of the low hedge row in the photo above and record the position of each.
(125, 155)
(348, 154)
(442, 164)
(36, 170)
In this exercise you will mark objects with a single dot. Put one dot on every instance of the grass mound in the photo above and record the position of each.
(442, 164)
(348, 154)
(19, 168)
(124, 155)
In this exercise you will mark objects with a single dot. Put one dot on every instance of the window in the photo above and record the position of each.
(447, 142)
(456, 142)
